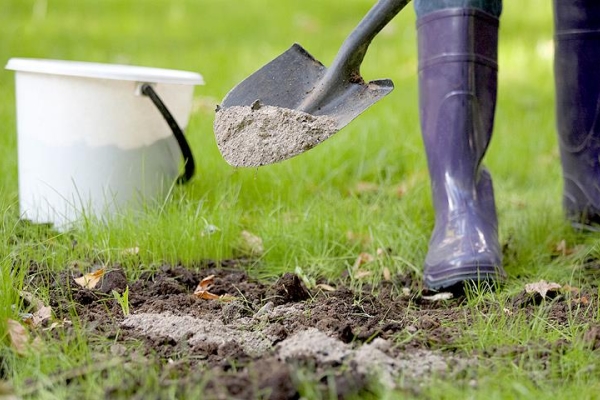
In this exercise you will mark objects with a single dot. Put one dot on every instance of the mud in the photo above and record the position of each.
(264, 337)
(260, 135)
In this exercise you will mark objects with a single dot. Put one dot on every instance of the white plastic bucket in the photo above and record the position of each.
(89, 142)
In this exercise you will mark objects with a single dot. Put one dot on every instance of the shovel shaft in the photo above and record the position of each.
(354, 48)
(346, 65)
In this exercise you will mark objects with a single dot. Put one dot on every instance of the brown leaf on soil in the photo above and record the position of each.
(542, 288)
(18, 335)
(582, 300)
(363, 258)
(40, 313)
(206, 295)
(40, 316)
(202, 292)
(360, 274)
(205, 283)
(55, 325)
(326, 287)
(89, 281)
(387, 275)
(439, 296)
(252, 244)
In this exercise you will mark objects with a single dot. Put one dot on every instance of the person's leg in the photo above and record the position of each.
(457, 44)
(576, 66)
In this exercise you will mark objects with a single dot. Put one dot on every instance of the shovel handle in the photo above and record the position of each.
(354, 48)
(184, 146)
(346, 65)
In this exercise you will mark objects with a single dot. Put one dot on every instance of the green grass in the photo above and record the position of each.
(304, 208)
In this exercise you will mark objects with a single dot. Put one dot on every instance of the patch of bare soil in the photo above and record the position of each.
(254, 340)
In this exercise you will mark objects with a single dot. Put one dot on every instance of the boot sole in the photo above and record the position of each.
(490, 275)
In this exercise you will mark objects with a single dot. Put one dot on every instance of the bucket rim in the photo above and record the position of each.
(87, 69)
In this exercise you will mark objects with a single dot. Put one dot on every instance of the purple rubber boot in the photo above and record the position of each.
(576, 67)
(457, 86)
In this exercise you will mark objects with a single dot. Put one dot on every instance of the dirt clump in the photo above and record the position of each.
(113, 279)
(289, 289)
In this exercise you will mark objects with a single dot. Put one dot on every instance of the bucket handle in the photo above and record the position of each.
(184, 146)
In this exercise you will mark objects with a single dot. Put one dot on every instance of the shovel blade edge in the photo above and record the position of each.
(283, 82)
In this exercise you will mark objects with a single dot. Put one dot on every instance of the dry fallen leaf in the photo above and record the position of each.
(387, 275)
(89, 281)
(31, 299)
(205, 283)
(132, 251)
(55, 325)
(582, 300)
(363, 258)
(202, 290)
(439, 296)
(360, 274)
(326, 287)
(542, 287)
(206, 295)
(252, 244)
(40, 313)
(19, 337)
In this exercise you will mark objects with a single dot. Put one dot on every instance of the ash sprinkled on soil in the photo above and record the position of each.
(251, 136)
(259, 344)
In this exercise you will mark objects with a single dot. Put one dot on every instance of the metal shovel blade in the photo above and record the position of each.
(294, 102)
(287, 81)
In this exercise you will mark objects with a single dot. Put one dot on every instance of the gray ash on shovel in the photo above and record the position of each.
(251, 136)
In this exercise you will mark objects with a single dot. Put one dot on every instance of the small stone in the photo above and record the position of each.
(256, 105)
(265, 310)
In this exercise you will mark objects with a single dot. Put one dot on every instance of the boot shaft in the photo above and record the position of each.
(457, 86)
(458, 34)
(576, 65)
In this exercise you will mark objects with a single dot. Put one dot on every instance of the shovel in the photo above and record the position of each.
(297, 81)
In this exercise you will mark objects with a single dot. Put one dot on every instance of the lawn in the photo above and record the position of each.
(353, 213)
